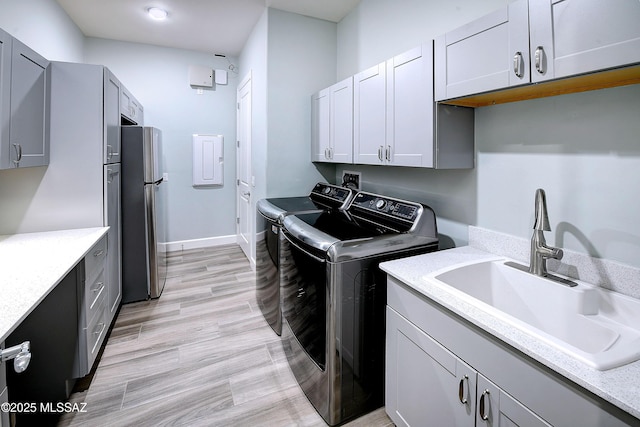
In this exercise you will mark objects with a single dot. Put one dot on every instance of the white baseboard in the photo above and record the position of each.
(200, 243)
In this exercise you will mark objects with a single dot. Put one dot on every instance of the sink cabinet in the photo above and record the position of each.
(429, 352)
(24, 105)
(428, 385)
(332, 123)
(535, 41)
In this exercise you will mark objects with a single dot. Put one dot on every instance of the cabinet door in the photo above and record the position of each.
(498, 409)
(113, 220)
(4, 397)
(320, 126)
(410, 108)
(425, 384)
(111, 118)
(29, 128)
(5, 99)
(487, 54)
(581, 36)
(369, 116)
(341, 122)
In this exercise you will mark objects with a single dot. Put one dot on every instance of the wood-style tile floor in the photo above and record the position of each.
(201, 355)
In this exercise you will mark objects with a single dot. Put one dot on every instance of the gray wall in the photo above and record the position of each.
(583, 149)
(297, 66)
(43, 26)
(159, 78)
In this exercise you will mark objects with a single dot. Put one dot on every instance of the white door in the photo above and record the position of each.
(243, 174)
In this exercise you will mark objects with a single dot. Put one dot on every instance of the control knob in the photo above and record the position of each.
(381, 203)
(326, 190)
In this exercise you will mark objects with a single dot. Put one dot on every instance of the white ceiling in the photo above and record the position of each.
(215, 26)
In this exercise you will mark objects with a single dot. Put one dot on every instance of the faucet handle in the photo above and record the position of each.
(542, 219)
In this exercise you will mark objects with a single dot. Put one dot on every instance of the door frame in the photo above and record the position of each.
(244, 184)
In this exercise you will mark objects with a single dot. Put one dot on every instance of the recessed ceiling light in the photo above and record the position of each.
(157, 13)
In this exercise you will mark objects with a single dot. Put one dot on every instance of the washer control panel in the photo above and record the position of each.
(332, 194)
(401, 209)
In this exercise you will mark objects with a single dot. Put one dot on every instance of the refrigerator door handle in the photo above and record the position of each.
(158, 182)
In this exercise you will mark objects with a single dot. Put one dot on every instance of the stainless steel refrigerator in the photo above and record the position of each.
(144, 228)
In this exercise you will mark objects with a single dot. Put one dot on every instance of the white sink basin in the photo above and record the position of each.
(599, 327)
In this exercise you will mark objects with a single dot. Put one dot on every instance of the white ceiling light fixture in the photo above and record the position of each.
(157, 13)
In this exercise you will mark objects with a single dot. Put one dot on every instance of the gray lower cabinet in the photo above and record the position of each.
(444, 371)
(428, 385)
(93, 306)
(4, 396)
(24, 105)
(52, 330)
(113, 187)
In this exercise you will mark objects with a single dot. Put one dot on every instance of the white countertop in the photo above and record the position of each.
(32, 264)
(620, 386)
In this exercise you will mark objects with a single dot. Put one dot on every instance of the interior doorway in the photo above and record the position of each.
(244, 224)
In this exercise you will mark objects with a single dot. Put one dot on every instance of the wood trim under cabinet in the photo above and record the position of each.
(601, 80)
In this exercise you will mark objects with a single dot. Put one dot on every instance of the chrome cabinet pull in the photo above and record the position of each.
(18, 148)
(100, 326)
(518, 64)
(540, 60)
(483, 412)
(461, 393)
(380, 153)
(98, 253)
(109, 152)
(387, 154)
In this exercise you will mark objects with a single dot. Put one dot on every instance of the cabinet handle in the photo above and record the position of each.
(380, 153)
(518, 64)
(18, 148)
(387, 154)
(98, 253)
(461, 393)
(540, 60)
(331, 152)
(326, 154)
(101, 326)
(98, 287)
(109, 152)
(483, 413)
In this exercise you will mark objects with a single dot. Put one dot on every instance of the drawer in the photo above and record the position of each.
(96, 258)
(94, 294)
(95, 333)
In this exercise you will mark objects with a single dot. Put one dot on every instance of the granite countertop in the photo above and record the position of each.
(32, 264)
(613, 385)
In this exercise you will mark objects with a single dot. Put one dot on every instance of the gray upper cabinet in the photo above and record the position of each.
(536, 41)
(393, 111)
(332, 123)
(583, 36)
(5, 98)
(487, 54)
(395, 119)
(24, 105)
(130, 108)
(112, 89)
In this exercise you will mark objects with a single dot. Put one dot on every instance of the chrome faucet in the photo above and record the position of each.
(540, 252)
